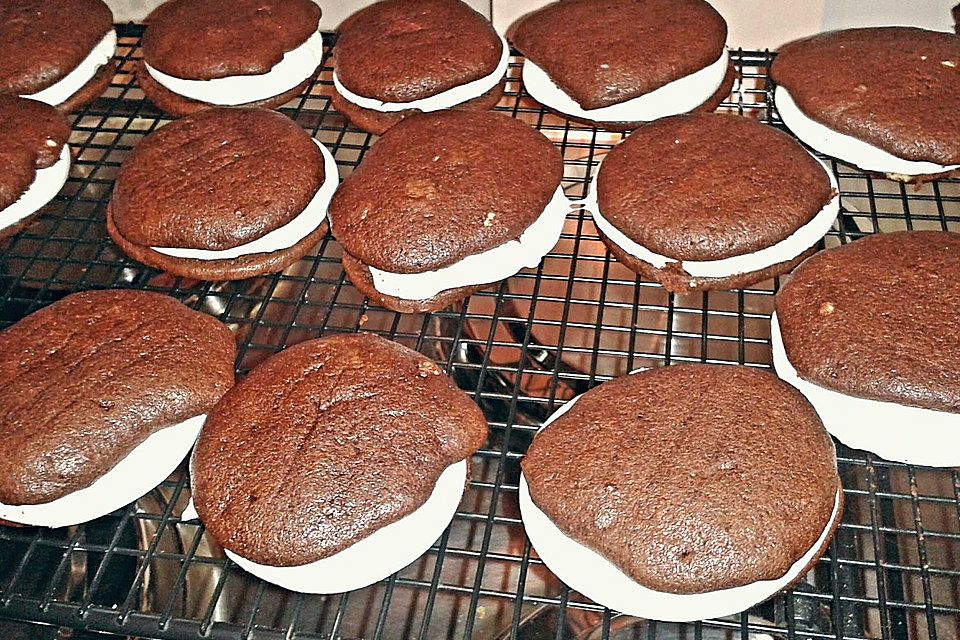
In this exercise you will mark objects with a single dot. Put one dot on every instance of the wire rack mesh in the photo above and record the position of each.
(521, 349)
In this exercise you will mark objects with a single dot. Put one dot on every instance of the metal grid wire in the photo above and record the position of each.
(893, 570)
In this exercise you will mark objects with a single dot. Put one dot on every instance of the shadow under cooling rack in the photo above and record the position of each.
(522, 348)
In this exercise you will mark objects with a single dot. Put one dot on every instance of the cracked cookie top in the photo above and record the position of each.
(325, 443)
(87, 379)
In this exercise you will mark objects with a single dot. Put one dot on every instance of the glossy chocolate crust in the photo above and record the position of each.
(895, 299)
(603, 52)
(87, 379)
(209, 39)
(325, 443)
(32, 135)
(674, 186)
(896, 88)
(404, 50)
(216, 180)
(439, 187)
(689, 478)
(43, 40)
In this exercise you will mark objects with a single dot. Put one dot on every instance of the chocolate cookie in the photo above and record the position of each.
(399, 57)
(199, 53)
(74, 71)
(674, 204)
(324, 445)
(884, 99)
(35, 159)
(87, 380)
(437, 205)
(222, 194)
(684, 494)
(648, 59)
(891, 385)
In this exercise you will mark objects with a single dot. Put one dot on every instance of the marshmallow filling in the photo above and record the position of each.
(283, 237)
(787, 249)
(896, 432)
(81, 75)
(586, 571)
(45, 186)
(680, 96)
(847, 148)
(150, 463)
(296, 66)
(490, 266)
(443, 100)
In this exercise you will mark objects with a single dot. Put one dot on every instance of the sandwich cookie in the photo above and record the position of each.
(870, 333)
(674, 204)
(446, 204)
(200, 53)
(35, 159)
(335, 463)
(884, 99)
(69, 72)
(102, 395)
(618, 63)
(400, 57)
(223, 194)
(683, 492)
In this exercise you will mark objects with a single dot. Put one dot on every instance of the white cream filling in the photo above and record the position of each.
(296, 66)
(490, 266)
(589, 573)
(443, 100)
(149, 464)
(897, 432)
(679, 96)
(382, 553)
(283, 237)
(787, 249)
(45, 186)
(847, 148)
(81, 75)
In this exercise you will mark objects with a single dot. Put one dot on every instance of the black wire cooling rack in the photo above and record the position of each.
(893, 570)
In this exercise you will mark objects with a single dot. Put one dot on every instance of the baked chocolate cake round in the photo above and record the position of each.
(870, 333)
(682, 492)
(223, 194)
(438, 208)
(335, 463)
(35, 159)
(56, 51)
(619, 63)
(673, 203)
(396, 58)
(885, 99)
(102, 394)
(255, 53)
